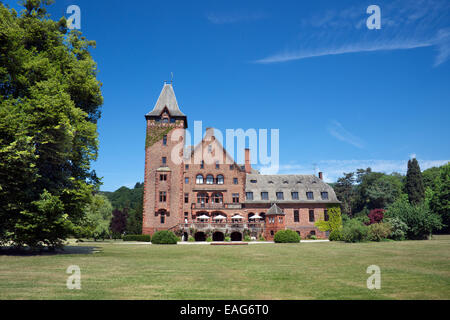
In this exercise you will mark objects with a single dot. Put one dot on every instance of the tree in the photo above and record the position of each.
(420, 220)
(119, 221)
(376, 216)
(376, 190)
(49, 107)
(440, 201)
(98, 217)
(344, 191)
(130, 200)
(414, 183)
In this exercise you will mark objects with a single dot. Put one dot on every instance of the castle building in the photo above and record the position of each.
(202, 192)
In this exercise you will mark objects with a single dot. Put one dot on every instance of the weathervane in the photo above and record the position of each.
(171, 79)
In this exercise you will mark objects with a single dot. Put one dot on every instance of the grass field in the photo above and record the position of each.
(409, 270)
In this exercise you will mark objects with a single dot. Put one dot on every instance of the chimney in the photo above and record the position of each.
(321, 175)
(248, 166)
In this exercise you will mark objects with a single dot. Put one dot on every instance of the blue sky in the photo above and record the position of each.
(343, 96)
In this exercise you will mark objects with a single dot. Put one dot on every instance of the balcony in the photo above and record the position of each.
(204, 226)
(217, 206)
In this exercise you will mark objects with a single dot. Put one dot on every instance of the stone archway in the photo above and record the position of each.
(200, 236)
(218, 236)
(236, 236)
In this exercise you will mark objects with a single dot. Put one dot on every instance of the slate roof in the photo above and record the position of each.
(272, 184)
(166, 99)
(275, 210)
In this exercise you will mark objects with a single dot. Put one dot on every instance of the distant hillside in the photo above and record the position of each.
(129, 200)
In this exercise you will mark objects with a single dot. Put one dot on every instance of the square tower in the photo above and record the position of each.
(163, 179)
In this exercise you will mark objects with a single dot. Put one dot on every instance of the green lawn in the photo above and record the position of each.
(409, 270)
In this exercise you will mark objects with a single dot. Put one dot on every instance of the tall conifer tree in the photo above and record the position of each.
(414, 183)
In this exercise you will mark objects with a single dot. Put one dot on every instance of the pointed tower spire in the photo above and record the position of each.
(167, 100)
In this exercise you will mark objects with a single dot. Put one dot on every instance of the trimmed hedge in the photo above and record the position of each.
(137, 237)
(286, 236)
(164, 237)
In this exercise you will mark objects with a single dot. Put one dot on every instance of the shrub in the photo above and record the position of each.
(376, 216)
(354, 231)
(137, 237)
(209, 239)
(335, 235)
(379, 231)
(334, 220)
(312, 237)
(399, 229)
(191, 239)
(247, 238)
(286, 236)
(261, 238)
(164, 237)
(227, 239)
(419, 219)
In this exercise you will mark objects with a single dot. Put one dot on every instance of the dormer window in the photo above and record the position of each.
(309, 195)
(253, 181)
(165, 120)
(324, 195)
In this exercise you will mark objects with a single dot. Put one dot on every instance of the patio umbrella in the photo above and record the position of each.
(203, 217)
(255, 217)
(237, 217)
(219, 218)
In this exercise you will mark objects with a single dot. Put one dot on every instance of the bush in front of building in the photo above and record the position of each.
(247, 238)
(191, 239)
(261, 238)
(355, 231)
(164, 237)
(209, 239)
(227, 239)
(335, 235)
(137, 237)
(286, 236)
(379, 231)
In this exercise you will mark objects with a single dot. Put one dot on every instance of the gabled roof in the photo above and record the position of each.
(275, 210)
(258, 183)
(167, 100)
(209, 137)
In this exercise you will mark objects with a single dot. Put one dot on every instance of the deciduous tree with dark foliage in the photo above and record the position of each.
(119, 221)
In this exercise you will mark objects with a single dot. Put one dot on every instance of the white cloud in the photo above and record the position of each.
(334, 169)
(339, 132)
(405, 25)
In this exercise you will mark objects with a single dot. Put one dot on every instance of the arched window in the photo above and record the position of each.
(202, 198)
(199, 179)
(209, 179)
(220, 179)
(217, 197)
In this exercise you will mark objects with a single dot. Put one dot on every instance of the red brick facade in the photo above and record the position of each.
(177, 192)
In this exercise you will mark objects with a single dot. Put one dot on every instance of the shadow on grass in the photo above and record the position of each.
(10, 251)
